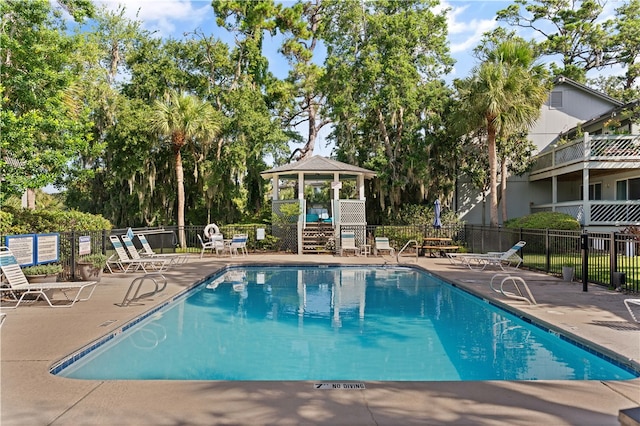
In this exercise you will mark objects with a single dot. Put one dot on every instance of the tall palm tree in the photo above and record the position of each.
(503, 94)
(186, 120)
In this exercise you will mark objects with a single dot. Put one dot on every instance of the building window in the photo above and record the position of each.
(595, 191)
(628, 189)
(555, 100)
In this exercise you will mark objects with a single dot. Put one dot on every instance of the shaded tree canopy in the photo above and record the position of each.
(76, 112)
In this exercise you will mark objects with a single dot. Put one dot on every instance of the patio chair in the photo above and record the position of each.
(125, 263)
(348, 242)
(482, 260)
(147, 251)
(237, 245)
(212, 232)
(382, 244)
(628, 303)
(18, 287)
(3, 316)
(217, 245)
(243, 244)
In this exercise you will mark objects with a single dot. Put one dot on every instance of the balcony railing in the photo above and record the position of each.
(597, 213)
(590, 148)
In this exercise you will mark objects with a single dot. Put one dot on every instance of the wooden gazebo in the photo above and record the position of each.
(316, 225)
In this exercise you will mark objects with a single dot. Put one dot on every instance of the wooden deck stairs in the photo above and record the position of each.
(315, 236)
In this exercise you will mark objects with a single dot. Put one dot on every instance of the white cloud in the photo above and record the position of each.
(466, 22)
(479, 27)
(166, 17)
(453, 16)
(466, 34)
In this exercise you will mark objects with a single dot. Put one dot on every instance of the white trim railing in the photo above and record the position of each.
(597, 213)
(589, 148)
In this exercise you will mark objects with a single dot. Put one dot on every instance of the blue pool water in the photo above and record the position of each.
(336, 323)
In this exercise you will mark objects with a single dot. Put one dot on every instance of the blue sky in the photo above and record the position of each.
(467, 21)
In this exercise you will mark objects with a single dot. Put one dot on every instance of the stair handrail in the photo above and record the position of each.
(154, 277)
(404, 247)
(514, 281)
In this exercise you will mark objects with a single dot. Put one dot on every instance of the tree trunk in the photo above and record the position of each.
(484, 208)
(503, 189)
(180, 184)
(493, 173)
(312, 130)
(31, 199)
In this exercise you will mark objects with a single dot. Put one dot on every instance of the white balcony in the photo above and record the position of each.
(597, 213)
(614, 152)
(600, 163)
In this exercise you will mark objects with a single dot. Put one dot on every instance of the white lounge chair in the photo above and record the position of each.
(382, 244)
(217, 245)
(18, 286)
(628, 303)
(147, 251)
(158, 263)
(348, 242)
(125, 263)
(482, 260)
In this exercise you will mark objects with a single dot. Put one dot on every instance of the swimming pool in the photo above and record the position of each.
(334, 323)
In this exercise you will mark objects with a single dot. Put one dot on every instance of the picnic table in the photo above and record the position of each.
(440, 245)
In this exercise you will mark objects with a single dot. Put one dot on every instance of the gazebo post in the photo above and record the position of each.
(335, 202)
(303, 209)
(275, 183)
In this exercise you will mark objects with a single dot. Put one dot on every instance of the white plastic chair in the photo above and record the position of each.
(212, 232)
(348, 242)
(237, 245)
(382, 244)
(217, 245)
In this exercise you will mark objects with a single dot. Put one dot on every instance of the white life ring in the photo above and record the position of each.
(212, 229)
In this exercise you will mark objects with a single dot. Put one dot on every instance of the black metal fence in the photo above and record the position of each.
(609, 259)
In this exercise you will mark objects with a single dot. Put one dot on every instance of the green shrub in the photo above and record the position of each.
(23, 221)
(399, 235)
(98, 260)
(48, 269)
(544, 220)
(420, 214)
(6, 219)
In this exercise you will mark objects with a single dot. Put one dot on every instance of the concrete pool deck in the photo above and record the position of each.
(34, 337)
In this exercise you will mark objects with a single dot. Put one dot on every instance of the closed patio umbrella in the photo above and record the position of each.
(436, 210)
